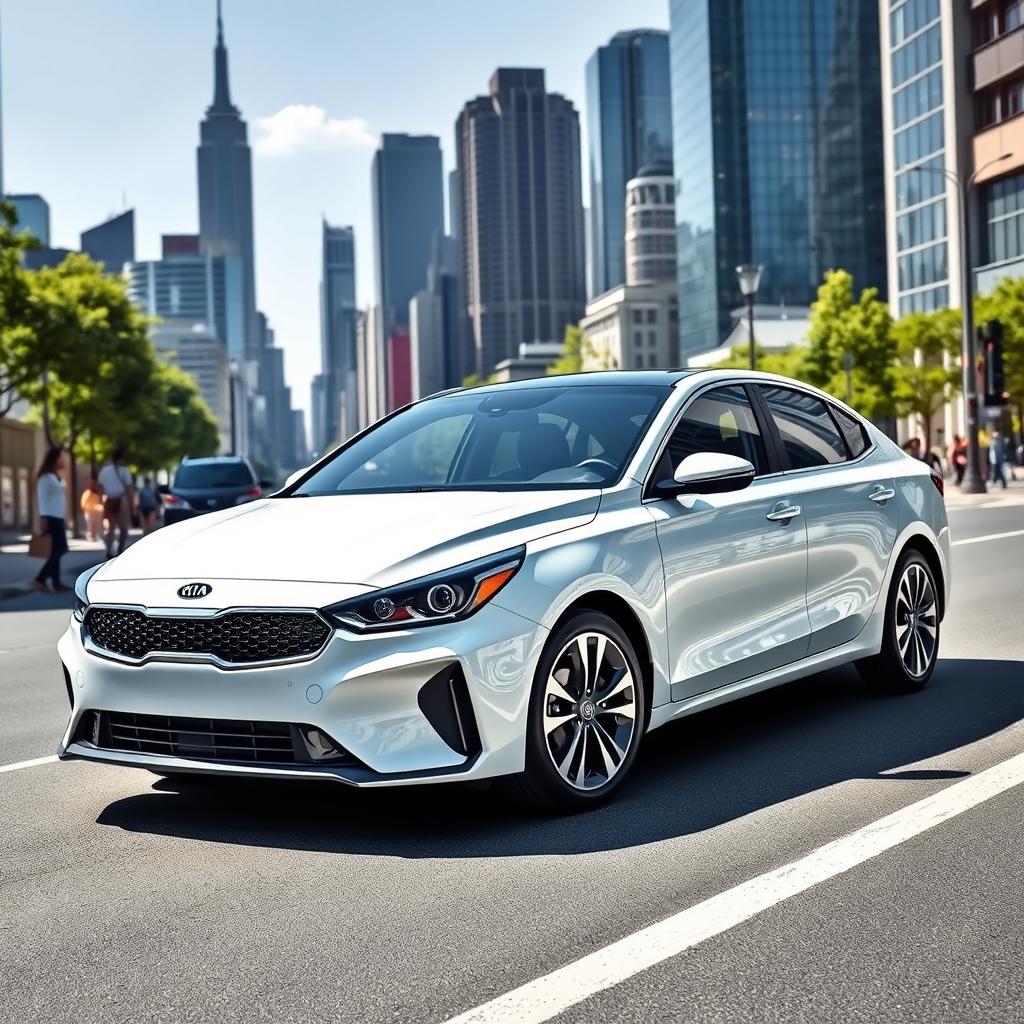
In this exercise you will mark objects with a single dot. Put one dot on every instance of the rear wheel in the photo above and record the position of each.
(910, 641)
(585, 718)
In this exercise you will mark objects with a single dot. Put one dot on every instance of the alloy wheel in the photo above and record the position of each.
(916, 620)
(589, 710)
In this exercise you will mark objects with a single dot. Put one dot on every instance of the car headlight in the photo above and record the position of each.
(441, 597)
(81, 597)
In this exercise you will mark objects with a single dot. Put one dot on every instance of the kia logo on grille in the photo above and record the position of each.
(191, 591)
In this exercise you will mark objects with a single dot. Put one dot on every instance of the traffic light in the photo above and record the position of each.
(992, 352)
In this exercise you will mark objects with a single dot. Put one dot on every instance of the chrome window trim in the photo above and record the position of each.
(767, 382)
(680, 413)
(198, 658)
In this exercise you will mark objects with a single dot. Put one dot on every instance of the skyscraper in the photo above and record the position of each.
(338, 333)
(408, 213)
(33, 215)
(225, 190)
(778, 152)
(112, 243)
(434, 325)
(629, 116)
(520, 224)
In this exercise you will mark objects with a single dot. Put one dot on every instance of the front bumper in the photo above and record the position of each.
(364, 691)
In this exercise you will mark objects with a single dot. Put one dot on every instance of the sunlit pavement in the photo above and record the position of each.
(127, 898)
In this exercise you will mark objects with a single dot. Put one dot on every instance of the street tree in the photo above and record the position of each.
(851, 349)
(19, 353)
(926, 373)
(571, 360)
(1006, 304)
(787, 364)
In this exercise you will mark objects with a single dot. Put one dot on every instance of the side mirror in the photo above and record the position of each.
(708, 473)
(163, 489)
(266, 484)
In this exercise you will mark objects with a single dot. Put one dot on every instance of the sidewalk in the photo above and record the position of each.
(993, 497)
(17, 569)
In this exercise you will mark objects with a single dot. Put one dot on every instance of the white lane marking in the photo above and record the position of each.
(540, 1000)
(989, 536)
(34, 763)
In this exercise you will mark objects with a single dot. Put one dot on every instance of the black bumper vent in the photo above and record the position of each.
(209, 739)
(236, 638)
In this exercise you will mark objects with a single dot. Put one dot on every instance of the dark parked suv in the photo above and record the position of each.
(205, 485)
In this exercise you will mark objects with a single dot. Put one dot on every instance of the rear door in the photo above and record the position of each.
(736, 563)
(848, 495)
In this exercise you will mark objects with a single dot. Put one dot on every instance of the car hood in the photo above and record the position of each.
(368, 540)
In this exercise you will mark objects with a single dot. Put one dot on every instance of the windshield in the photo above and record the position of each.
(519, 439)
(191, 476)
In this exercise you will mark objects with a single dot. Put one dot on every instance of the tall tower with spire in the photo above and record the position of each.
(224, 164)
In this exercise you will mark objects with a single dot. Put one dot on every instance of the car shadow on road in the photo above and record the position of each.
(691, 775)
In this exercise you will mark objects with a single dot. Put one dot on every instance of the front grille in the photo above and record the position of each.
(210, 739)
(237, 638)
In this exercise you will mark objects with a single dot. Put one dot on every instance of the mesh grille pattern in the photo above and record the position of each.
(237, 637)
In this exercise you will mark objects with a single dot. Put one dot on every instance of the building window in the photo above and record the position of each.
(925, 224)
(652, 316)
(904, 21)
(913, 57)
(922, 266)
(1004, 214)
(638, 316)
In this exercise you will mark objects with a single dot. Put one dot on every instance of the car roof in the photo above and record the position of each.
(214, 460)
(604, 378)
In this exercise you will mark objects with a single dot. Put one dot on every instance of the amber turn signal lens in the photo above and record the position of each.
(492, 584)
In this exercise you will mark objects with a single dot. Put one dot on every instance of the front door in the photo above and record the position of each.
(735, 563)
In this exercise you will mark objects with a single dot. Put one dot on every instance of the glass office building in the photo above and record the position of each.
(919, 157)
(778, 153)
(629, 112)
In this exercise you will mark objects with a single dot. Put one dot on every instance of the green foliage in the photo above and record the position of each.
(787, 364)
(19, 357)
(862, 328)
(1006, 304)
(100, 384)
(926, 372)
(571, 360)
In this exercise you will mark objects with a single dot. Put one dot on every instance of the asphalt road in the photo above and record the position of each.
(128, 898)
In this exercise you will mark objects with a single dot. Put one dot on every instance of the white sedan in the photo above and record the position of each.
(516, 581)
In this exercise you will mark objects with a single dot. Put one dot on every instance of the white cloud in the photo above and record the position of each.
(300, 127)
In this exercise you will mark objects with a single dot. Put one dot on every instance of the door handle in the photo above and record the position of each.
(882, 494)
(783, 513)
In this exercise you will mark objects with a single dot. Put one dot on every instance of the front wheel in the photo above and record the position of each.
(586, 716)
(910, 640)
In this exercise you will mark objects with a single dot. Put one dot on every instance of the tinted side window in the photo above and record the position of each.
(856, 436)
(718, 421)
(808, 433)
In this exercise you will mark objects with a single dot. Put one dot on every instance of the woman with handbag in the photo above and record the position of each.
(51, 501)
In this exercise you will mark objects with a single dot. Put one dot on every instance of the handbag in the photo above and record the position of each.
(40, 545)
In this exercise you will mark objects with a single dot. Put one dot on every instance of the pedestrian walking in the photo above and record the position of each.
(997, 458)
(149, 505)
(957, 457)
(116, 483)
(92, 509)
(916, 450)
(51, 502)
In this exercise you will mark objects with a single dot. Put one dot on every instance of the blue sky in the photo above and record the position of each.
(102, 99)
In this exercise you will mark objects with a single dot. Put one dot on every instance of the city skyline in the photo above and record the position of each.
(314, 118)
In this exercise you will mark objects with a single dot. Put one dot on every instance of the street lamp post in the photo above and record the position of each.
(974, 479)
(749, 275)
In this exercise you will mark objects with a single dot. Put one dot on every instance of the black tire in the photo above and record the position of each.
(541, 785)
(888, 671)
